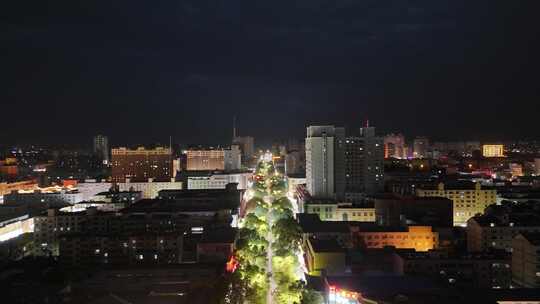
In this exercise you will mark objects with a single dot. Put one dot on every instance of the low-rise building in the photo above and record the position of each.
(126, 197)
(6, 188)
(500, 224)
(146, 248)
(44, 197)
(312, 226)
(469, 199)
(326, 256)
(336, 211)
(47, 228)
(395, 210)
(149, 189)
(475, 270)
(420, 238)
(15, 225)
(214, 159)
(218, 180)
(216, 245)
(526, 260)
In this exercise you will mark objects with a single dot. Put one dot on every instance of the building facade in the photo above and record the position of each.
(493, 150)
(526, 260)
(479, 271)
(392, 210)
(420, 238)
(218, 181)
(214, 159)
(141, 164)
(486, 233)
(52, 196)
(329, 211)
(101, 148)
(364, 163)
(149, 189)
(394, 146)
(325, 164)
(232, 158)
(468, 200)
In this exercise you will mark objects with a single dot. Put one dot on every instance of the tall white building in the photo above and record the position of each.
(325, 166)
(232, 158)
(101, 147)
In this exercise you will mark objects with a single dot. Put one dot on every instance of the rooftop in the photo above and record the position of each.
(162, 205)
(330, 245)
(223, 235)
(533, 238)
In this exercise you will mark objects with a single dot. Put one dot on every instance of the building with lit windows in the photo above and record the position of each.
(335, 211)
(469, 199)
(6, 188)
(214, 159)
(51, 196)
(364, 163)
(487, 270)
(394, 146)
(526, 260)
(47, 228)
(218, 181)
(101, 148)
(493, 150)
(141, 164)
(420, 238)
(500, 225)
(149, 188)
(111, 249)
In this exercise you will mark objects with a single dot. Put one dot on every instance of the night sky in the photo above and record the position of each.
(141, 70)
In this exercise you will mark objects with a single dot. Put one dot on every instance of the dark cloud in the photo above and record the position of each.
(141, 70)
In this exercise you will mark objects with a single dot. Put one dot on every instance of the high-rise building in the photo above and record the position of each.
(364, 162)
(325, 163)
(339, 167)
(420, 147)
(141, 164)
(101, 147)
(394, 146)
